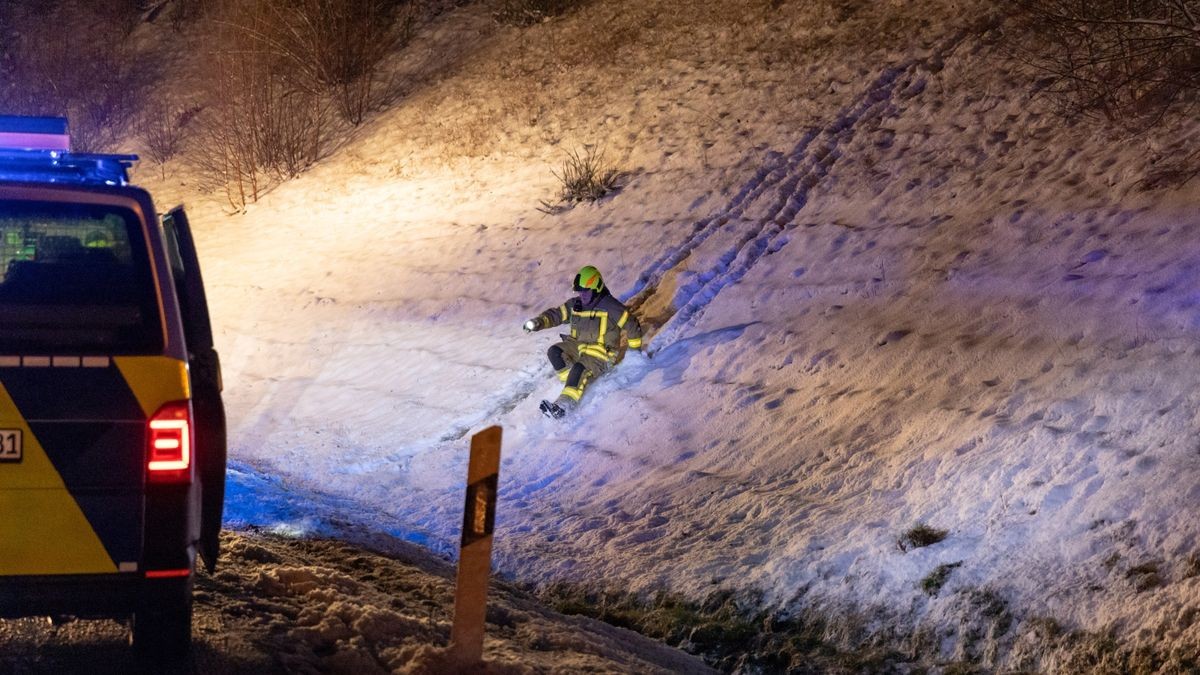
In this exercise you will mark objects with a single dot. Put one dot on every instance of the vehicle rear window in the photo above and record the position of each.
(75, 279)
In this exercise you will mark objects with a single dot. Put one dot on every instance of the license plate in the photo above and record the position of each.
(10, 445)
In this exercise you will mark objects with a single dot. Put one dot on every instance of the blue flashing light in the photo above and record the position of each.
(37, 150)
(50, 166)
(52, 126)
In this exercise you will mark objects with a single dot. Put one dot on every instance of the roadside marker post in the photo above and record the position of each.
(475, 554)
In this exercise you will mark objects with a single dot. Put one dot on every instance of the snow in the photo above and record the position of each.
(885, 288)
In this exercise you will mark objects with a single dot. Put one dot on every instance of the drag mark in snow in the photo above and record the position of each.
(788, 182)
(528, 382)
(773, 170)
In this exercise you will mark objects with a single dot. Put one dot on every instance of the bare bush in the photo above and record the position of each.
(222, 154)
(920, 535)
(45, 71)
(259, 127)
(335, 46)
(1128, 61)
(162, 129)
(278, 71)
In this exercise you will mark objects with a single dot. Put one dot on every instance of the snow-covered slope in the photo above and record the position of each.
(886, 289)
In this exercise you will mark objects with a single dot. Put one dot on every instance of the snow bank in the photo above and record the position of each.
(280, 604)
(886, 289)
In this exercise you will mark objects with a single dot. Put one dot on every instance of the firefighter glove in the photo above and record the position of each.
(530, 325)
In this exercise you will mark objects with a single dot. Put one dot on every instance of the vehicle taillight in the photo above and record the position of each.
(169, 444)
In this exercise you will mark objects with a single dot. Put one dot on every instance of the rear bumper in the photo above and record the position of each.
(92, 595)
(89, 595)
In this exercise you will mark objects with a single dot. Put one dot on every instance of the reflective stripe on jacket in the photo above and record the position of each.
(597, 326)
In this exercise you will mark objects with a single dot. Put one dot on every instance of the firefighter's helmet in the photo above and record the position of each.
(589, 279)
(96, 239)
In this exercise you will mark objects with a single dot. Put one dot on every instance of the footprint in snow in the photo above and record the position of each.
(894, 336)
(1056, 498)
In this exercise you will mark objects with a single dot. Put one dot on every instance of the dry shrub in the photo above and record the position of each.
(1130, 62)
(222, 153)
(278, 72)
(162, 130)
(73, 59)
(919, 536)
(261, 125)
(585, 177)
(1132, 66)
(334, 47)
(260, 133)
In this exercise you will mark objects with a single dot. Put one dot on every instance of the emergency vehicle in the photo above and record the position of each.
(112, 429)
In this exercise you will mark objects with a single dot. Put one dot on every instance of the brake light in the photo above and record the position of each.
(168, 574)
(169, 444)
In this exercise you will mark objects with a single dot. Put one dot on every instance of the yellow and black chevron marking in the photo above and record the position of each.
(73, 504)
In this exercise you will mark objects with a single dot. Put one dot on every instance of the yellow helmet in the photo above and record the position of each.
(589, 279)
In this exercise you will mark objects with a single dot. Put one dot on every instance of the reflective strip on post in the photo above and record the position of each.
(475, 556)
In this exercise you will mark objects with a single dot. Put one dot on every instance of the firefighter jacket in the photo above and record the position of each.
(597, 326)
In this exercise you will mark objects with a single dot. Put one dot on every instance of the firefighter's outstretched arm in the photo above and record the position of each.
(555, 316)
(633, 330)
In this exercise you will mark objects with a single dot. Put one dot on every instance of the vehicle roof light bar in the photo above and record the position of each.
(37, 149)
(49, 166)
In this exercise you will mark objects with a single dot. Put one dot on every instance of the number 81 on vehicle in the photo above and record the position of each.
(10, 445)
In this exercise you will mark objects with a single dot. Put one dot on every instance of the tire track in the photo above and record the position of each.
(775, 169)
(787, 181)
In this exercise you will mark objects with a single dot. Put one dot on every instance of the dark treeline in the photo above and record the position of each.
(258, 86)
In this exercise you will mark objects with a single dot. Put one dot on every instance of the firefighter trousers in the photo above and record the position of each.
(576, 370)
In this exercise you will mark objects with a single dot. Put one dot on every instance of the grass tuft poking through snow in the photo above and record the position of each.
(933, 583)
(730, 632)
(919, 536)
(584, 177)
(717, 628)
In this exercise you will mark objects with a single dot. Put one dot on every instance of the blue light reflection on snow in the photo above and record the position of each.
(256, 499)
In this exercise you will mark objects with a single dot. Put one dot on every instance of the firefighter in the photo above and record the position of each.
(597, 320)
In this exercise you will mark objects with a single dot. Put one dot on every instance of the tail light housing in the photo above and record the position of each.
(169, 444)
